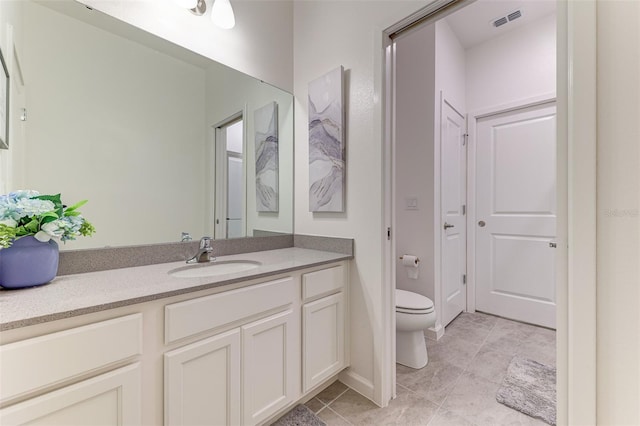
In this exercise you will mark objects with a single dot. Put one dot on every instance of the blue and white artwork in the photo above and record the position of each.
(326, 143)
(266, 130)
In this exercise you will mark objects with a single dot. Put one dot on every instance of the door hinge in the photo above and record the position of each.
(23, 114)
(464, 279)
(465, 138)
(388, 233)
(464, 209)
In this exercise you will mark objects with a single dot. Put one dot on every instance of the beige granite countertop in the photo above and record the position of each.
(71, 295)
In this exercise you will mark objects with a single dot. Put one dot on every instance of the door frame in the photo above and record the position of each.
(214, 151)
(472, 123)
(576, 223)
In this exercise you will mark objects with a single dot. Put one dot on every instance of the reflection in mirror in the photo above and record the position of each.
(229, 206)
(136, 125)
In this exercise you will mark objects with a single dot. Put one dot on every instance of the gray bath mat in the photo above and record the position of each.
(530, 387)
(299, 416)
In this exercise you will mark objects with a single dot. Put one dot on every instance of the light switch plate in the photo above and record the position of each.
(411, 203)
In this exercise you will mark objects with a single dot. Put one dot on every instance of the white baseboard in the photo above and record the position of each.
(358, 383)
(435, 333)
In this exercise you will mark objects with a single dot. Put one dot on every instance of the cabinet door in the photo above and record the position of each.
(323, 339)
(202, 382)
(268, 346)
(113, 398)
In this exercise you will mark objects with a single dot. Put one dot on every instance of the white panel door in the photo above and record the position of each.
(268, 381)
(453, 190)
(110, 399)
(202, 382)
(322, 339)
(516, 215)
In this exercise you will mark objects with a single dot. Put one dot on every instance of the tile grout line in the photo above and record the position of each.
(334, 399)
(464, 371)
(337, 414)
(328, 406)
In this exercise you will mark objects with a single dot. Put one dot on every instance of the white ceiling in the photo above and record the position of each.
(473, 24)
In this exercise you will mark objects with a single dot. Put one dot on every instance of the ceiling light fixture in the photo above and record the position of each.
(221, 11)
(222, 14)
(187, 4)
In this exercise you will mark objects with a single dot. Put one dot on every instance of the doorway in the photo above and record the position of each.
(230, 181)
(466, 64)
(576, 221)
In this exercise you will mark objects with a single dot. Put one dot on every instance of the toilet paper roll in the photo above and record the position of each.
(411, 265)
(409, 260)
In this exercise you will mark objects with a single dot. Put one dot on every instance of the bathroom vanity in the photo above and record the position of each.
(140, 346)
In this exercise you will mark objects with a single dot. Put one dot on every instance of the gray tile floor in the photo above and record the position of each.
(459, 384)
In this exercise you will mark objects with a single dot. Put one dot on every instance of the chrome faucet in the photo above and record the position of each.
(204, 252)
(186, 237)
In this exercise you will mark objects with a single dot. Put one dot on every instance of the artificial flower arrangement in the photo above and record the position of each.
(24, 213)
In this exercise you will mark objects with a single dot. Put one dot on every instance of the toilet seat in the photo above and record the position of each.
(408, 302)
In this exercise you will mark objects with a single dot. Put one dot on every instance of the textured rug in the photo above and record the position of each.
(299, 416)
(530, 387)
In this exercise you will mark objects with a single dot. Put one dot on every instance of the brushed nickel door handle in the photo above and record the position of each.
(447, 226)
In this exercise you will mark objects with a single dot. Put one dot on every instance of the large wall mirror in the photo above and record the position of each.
(160, 140)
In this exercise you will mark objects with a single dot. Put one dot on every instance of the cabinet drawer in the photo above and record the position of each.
(112, 398)
(321, 283)
(35, 363)
(195, 316)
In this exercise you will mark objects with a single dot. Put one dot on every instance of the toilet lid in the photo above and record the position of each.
(410, 302)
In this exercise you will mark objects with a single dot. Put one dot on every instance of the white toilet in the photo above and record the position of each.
(414, 314)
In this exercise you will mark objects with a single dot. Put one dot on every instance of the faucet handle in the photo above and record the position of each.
(186, 237)
(205, 242)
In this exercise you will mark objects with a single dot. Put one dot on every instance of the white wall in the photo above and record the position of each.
(137, 155)
(349, 33)
(450, 68)
(414, 153)
(229, 92)
(261, 43)
(495, 69)
(618, 216)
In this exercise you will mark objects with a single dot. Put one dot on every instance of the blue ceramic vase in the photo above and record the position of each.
(28, 263)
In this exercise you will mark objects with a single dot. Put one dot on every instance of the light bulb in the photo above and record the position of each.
(222, 14)
(187, 4)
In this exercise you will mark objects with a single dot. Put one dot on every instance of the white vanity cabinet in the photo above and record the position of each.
(270, 349)
(235, 355)
(71, 377)
(323, 325)
(202, 382)
(240, 376)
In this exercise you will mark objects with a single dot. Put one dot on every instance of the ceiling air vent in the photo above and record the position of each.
(498, 22)
(514, 15)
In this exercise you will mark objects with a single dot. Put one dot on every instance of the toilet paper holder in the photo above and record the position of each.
(417, 258)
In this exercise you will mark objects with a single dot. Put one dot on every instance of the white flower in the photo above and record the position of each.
(29, 207)
(53, 229)
(42, 236)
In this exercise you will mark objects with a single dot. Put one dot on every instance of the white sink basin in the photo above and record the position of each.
(214, 268)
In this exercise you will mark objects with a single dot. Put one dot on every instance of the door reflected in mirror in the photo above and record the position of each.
(230, 185)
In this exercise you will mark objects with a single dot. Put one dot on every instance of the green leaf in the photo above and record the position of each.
(87, 229)
(72, 213)
(7, 235)
(76, 206)
(49, 215)
(33, 226)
